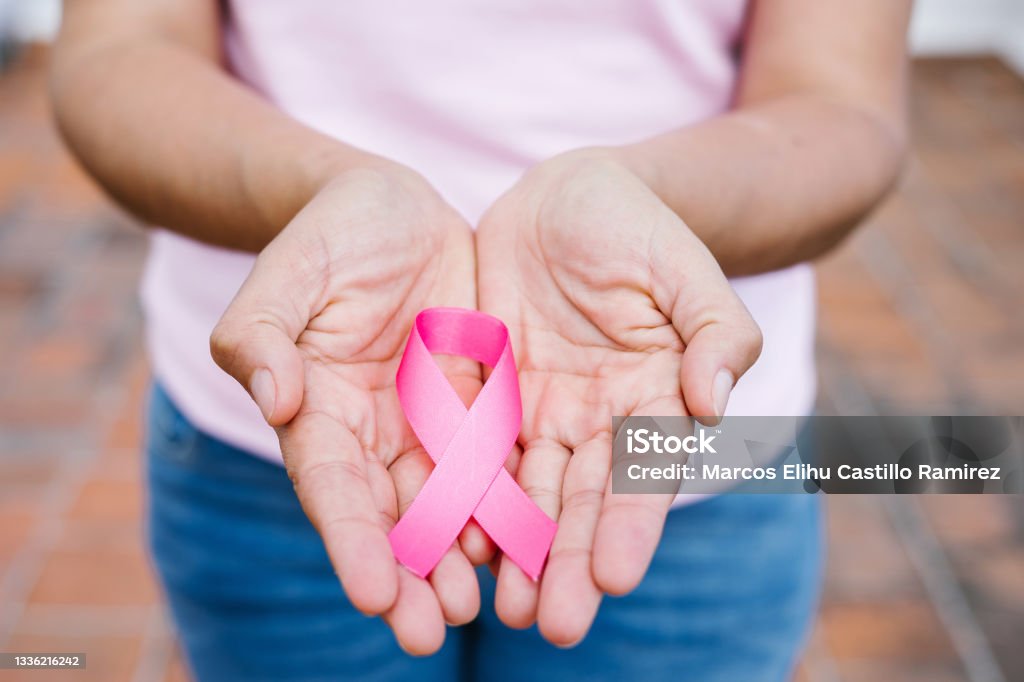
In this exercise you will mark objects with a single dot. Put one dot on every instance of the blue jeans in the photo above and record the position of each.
(729, 596)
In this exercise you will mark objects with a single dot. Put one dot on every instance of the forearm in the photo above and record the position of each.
(776, 183)
(815, 141)
(184, 146)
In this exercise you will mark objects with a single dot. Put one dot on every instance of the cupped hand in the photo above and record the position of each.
(615, 308)
(316, 334)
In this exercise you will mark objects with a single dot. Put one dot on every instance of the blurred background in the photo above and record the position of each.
(920, 313)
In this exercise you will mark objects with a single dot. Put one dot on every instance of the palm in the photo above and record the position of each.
(352, 344)
(590, 347)
(575, 264)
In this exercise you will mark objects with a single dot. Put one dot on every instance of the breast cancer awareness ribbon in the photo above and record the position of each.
(469, 447)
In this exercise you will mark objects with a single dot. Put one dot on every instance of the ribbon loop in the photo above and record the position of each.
(468, 447)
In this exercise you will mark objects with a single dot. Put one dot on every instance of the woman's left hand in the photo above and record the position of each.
(615, 308)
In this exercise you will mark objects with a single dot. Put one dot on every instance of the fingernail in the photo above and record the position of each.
(720, 390)
(263, 390)
(571, 645)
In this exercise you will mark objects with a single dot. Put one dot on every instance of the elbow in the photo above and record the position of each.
(886, 149)
(883, 158)
(70, 99)
(874, 162)
(893, 152)
(82, 94)
(878, 158)
(58, 89)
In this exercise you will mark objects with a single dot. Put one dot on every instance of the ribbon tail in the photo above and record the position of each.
(516, 524)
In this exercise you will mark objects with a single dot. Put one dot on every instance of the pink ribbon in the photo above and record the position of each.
(469, 447)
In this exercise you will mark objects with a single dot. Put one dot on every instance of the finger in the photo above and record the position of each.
(494, 565)
(722, 340)
(476, 544)
(457, 588)
(539, 473)
(628, 533)
(716, 355)
(569, 597)
(254, 341)
(416, 618)
(453, 579)
(328, 469)
(630, 525)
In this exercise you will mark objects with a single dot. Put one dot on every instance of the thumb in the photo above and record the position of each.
(254, 342)
(721, 339)
(717, 354)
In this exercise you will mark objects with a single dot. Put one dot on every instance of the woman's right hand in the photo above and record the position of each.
(315, 334)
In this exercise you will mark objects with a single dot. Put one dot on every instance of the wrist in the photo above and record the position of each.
(305, 168)
(633, 158)
(391, 184)
(671, 178)
(639, 159)
(327, 164)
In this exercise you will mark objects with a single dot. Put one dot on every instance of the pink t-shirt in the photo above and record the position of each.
(470, 94)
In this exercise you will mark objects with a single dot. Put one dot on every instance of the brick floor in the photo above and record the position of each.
(920, 313)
